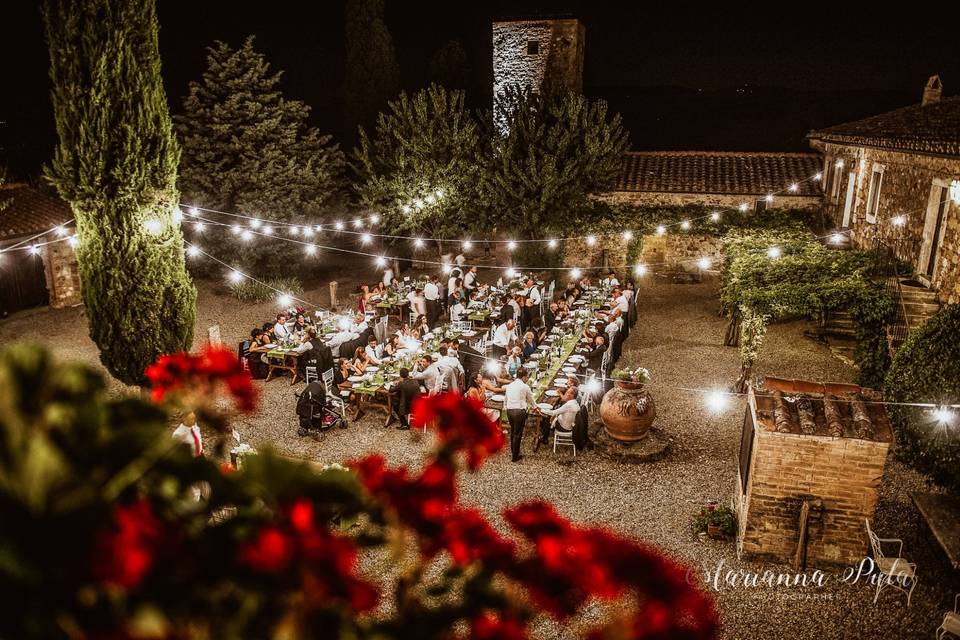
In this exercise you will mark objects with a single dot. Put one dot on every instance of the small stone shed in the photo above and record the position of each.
(811, 459)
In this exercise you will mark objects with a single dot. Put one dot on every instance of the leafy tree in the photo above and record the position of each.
(449, 66)
(372, 73)
(247, 148)
(927, 369)
(116, 165)
(546, 156)
(423, 142)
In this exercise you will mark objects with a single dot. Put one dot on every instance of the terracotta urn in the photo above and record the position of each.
(627, 412)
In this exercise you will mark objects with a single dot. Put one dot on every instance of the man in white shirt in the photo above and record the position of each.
(470, 280)
(502, 338)
(189, 433)
(388, 277)
(372, 351)
(533, 293)
(517, 310)
(457, 312)
(429, 374)
(610, 280)
(449, 361)
(359, 325)
(340, 338)
(517, 398)
(623, 304)
(613, 327)
(460, 260)
(431, 291)
(564, 416)
(280, 330)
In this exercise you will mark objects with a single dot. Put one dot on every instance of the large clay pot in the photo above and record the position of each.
(627, 412)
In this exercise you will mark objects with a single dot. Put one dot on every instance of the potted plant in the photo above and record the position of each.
(631, 378)
(719, 523)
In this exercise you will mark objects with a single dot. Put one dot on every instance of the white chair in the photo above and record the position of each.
(895, 571)
(380, 329)
(564, 438)
(310, 373)
(605, 364)
(334, 395)
(463, 325)
(951, 621)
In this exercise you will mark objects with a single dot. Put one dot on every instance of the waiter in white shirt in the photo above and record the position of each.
(502, 338)
(517, 398)
(431, 291)
(388, 276)
(189, 433)
(623, 304)
(564, 416)
(534, 294)
(470, 279)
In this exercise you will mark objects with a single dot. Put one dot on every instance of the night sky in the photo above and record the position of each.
(722, 77)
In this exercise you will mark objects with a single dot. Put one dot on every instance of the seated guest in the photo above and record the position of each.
(529, 345)
(594, 356)
(259, 339)
(550, 316)
(390, 349)
(341, 338)
(621, 301)
(420, 328)
(300, 325)
(341, 376)
(403, 395)
(502, 337)
(477, 392)
(562, 418)
(359, 364)
(429, 374)
(516, 301)
(378, 291)
(359, 324)
(451, 363)
(372, 352)
(506, 311)
(280, 329)
(539, 331)
(458, 311)
(573, 381)
(305, 349)
(514, 362)
(322, 353)
(610, 280)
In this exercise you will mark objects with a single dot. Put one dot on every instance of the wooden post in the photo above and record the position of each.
(213, 334)
(333, 294)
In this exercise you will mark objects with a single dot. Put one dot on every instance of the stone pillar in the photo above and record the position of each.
(333, 294)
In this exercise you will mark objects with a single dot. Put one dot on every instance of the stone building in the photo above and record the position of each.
(48, 274)
(895, 178)
(811, 459)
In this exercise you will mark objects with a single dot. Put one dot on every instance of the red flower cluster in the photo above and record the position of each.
(124, 555)
(461, 424)
(572, 564)
(489, 626)
(325, 562)
(215, 363)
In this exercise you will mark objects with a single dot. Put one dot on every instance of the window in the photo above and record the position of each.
(760, 206)
(533, 47)
(837, 179)
(873, 194)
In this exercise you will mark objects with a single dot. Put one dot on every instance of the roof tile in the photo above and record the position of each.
(28, 211)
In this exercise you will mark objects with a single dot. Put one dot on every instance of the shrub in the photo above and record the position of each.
(248, 290)
(722, 517)
(927, 369)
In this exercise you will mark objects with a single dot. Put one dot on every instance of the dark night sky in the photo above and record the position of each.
(816, 65)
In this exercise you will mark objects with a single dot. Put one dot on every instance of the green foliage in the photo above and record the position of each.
(247, 148)
(927, 369)
(722, 517)
(547, 154)
(248, 290)
(372, 73)
(449, 66)
(116, 164)
(423, 142)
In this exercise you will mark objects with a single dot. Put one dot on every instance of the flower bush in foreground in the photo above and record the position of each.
(108, 540)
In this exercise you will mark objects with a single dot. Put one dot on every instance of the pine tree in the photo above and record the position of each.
(423, 143)
(248, 149)
(116, 164)
(449, 66)
(372, 73)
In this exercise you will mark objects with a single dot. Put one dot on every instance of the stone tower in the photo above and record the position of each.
(532, 52)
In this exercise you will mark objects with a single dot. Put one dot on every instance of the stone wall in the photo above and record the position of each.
(785, 470)
(719, 200)
(62, 274)
(908, 180)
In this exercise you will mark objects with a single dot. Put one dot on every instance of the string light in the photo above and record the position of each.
(640, 270)
(310, 249)
(267, 230)
(235, 229)
(552, 243)
(235, 276)
(715, 216)
(836, 238)
(593, 385)
(511, 273)
(703, 263)
(467, 245)
(899, 221)
(439, 193)
(193, 251)
(357, 223)
(576, 274)
(61, 231)
(418, 243)
(375, 219)
(429, 199)
(366, 239)
(177, 215)
(194, 212)
(685, 225)
(743, 206)
(35, 250)
(794, 187)
(943, 415)
(153, 226)
(247, 235)
(73, 241)
(285, 299)
(774, 252)
(381, 261)
(628, 235)
(418, 204)
(717, 401)
(661, 229)
(769, 197)
(255, 223)
(818, 176)
(338, 225)
(591, 240)
(199, 226)
(294, 231)
(511, 245)
(308, 232)
(406, 209)
(446, 269)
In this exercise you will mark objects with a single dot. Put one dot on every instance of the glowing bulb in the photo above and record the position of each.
(374, 219)
(366, 238)
(467, 245)
(199, 226)
(193, 251)
(235, 229)
(511, 273)
(153, 226)
(381, 261)
(744, 206)
(591, 240)
(429, 199)
(318, 228)
(177, 215)
(357, 223)
(661, 229)
(255, 223)
(194, 211)
(446, 269)
(35, 250)
(774, 252)
(769, 197)
(418, 204)
(439, 193)
(338, 225)
(899, 220)
(310, 249)
(492, 367)
(836, 238)
(285, 299)
(794, 187)
(246, 236)
(61, 231)
(73, 241)
(268, 230)
(685, 225)
(817, 176)
(716, 401)
(418, 243)
(552, 244)
(308, 232)
(715, 216)
(703, 263)
(576, 274)
(406, 209)
(640, 270)
(511, 245)
(943, 415)
(294, 231)
(235, 276)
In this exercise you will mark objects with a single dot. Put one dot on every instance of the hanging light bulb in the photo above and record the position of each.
(366, 238)
(836, 238)
(492, 367)
(61, 231)
(418, 243)
(817, 176)
(552, 243)
(640, 270)
(744, 206)
(235, 229)
(73, 241)
(774, 252)
(944, 415)
(310, 249)
(446, 269)
(661, 229)
(439, 193)
(374, 219)
(685, 225)
(246, 235)
(268, 230)
(717, 401)
(511, 273)
(467, 245)
(406, 209)
(576, 274)
(235, 276)
(418, 204)
(715, 216)
(194, 212)
(338, 225)
(628, 235)
(34, 250)
(153, 226)
(294, 231)
(429, 199)
(318, 228)
(255, 223)
(357, 223)
(381, 261)
(199, 226)
(308, 232)
(900, 220)
(703, 263)
(285, 299)
(511, 245)
(591, 240)
(193, 251)
(176, 216)
(794, 187)
(769, 197)
(593, 385)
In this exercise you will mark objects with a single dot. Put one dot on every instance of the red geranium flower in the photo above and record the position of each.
(271, 551)
(468, 536)
(124, 555)
(201, 372)
(461, 423)
(489, 626)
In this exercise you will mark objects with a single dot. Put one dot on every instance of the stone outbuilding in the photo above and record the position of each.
(40, 267)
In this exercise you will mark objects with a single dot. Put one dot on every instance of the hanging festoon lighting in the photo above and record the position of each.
(703, 263)
(715, 216)
(193, 251)
(591, 240)
(943, 415)
(294, 231)
(381, 261)
(338, 225)
(467, 245)
(511, 273)
(285, 300)
(366, 238)
(628, 235)
(234, 276)
(153, 226)
(418, 243)
(717, 401)
(73, 241)
(374, 219)
(661, 229)
(61, 231)
(774, 252)
(640, 270)
(769, 197)
(899, 221)
(836, 238)
(310, 249)
(576, 274)
(34, 250)
(552, 243)
(744, 206)
(247, 235)
(254, 223)
(176, 215)
(357, 223)
(267, 230)
(794, 187)
(235, 229)
(511, 245)
(685, 225)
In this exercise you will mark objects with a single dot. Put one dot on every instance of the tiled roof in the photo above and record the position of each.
(720, 172)
(931, 128)
(29, 211)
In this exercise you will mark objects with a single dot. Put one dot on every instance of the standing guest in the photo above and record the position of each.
(564, 416)
(502, 338)
(452, 282)
(514, 362)
(622, 302)
(506, 311)
(460, 260)
(431, 292)
(450, 362)
(539, 331)
(362, 299)
(533, 292)
(388, 276)
(359, 324)
(594, 357)
(341, 378)
(418, 303)
(189, 434)
(470, 279)
(406, 391)
(516, 302)
(518, 398)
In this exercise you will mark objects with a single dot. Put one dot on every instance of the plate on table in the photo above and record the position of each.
(553, 393)
(535, 356)
(569, 369)
(530, 365)
(497, 397)
(543, 347)
(544, 405)
(577, 359)
(355, 379)
(560, 382)
(272, 345)
(469, 334)
(372, 369)
(357, 385)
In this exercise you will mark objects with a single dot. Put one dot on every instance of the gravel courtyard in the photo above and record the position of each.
(679, 339)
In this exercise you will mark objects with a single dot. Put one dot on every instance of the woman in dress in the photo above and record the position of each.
(359, 364)
(420, 327)
(477, 391)
(393, 345)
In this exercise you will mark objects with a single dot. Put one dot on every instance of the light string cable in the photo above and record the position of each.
(60, 229)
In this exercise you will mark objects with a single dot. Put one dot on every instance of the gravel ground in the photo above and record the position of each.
(678, 338)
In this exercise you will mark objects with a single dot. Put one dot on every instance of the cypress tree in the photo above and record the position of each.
(248, 149)
(116, 165)
(372, 73)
